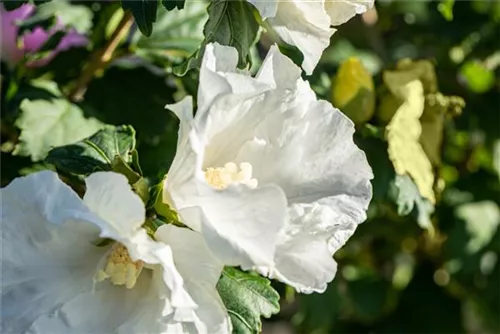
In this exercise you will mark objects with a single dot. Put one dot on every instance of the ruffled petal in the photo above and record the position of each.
(47, 251)
(266, 8)
(122, 211)
(308, 151)
(109, 309)
(306, 25)
(201, 271)
(341, 11)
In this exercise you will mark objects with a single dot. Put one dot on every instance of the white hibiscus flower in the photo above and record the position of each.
(267, 173)
(56, 279)
(308, 24)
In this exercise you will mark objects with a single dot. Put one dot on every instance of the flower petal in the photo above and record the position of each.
(47, 251)
(110, 309)
(306, 25)
(341, 11)
(109, 196)
(266, 8)
(201, 271)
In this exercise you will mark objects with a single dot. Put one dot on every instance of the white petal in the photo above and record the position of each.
(201, 271)
(308, 151)
(47, 251)
(304, 256)
(240, 225)
(109, 309)
(341, 11)
(306, 25)
(266, 8)
(122, 211)
(184, 111)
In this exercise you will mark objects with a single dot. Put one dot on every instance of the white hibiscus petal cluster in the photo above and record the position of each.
(308, 25)
(265, 177)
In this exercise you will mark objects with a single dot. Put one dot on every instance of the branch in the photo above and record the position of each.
(100, 58)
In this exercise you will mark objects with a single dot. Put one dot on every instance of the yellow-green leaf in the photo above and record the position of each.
(353, 91)
(403, 134)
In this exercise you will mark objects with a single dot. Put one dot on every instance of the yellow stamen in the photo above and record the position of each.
(120, 269)
(221, 177)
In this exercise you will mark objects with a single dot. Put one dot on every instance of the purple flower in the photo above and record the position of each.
(32, 41)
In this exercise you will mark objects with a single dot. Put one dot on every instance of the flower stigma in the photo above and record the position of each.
(222, 177)
(120, 269)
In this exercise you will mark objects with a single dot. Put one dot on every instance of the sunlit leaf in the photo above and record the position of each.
(445, 7)
(247, 297)
(46, 124)
(176, 33)
(477, 77)
(482, 220)
(353, 91)
(405, 194)
(403, 134)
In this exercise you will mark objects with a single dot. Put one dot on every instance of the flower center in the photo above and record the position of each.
(221, 177)
(120, 269)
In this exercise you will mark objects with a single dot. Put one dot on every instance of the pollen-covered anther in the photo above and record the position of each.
(120, 269)
(221, 177)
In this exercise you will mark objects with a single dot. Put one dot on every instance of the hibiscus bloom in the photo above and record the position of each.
(72, 265)
(267, 173)
(32, 41)
(308, 24)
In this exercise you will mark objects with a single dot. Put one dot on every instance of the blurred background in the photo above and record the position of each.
(422, 262)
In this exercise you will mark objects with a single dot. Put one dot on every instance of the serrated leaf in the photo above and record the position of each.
(171, 4)
(97, 152)
(247, 297)
(231, 23)
(403, 135)
(45, 124)
(404, 193)
(144, 12)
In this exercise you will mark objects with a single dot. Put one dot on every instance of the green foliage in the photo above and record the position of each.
(70, 15)
(49, 123)
(247, 297)
(177, 34)
(445, 7)
(144, 12)
(97, 152)
(171, 4)
(231, 23)
(13, 4)
(413, 266)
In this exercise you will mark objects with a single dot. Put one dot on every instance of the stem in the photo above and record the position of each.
(100, 58)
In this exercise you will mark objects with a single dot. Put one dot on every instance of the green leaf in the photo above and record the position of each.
(35, 21)
(96, 152)
(171, 4)
(231, 23)
(481, 222)
(404, 193)
(13, 4)
(445, 7)
(247, 297)
(478, 78)
(50, 123)
(76, 16)
(177, 33)
(144, 12)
